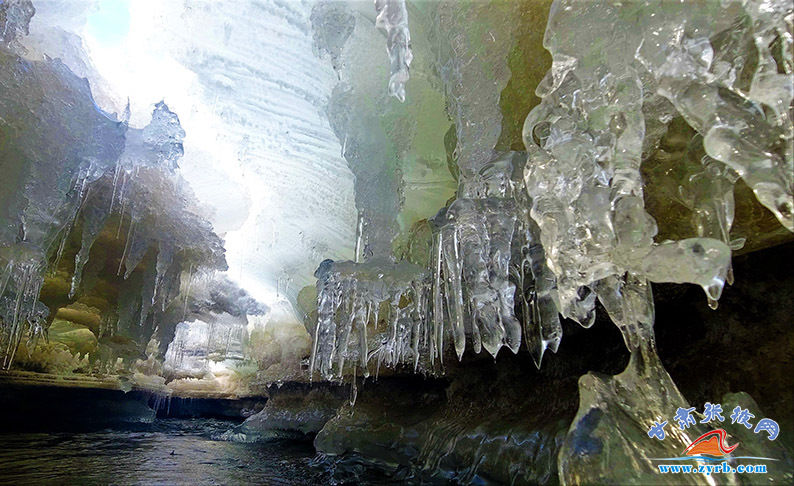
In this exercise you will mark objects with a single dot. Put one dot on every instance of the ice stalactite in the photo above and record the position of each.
(94, 219)
(371, 311)
(488, 262)
(392, 19)
(586, 142)
(485, 254)
(212, 329)
(473, 277)
(708, 193)
(474, 69)
(536, 286)
(583, 175)
(472, 295)
(615, 411)
(21, 312)
(729, 74)
(474, 237)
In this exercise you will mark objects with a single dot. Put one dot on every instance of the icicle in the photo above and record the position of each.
(359, 236)
(363, 351)
(417, 320)
(187, 292)
(123, 205)
(392, 19)
(353, 389)
(116, 175)
(126, 245)
(454, 288)
(165, 257)
(67, 229)
(94, 219)
(351, 294)
(6, 276)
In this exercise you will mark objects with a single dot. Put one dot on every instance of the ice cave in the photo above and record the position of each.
(524, 242)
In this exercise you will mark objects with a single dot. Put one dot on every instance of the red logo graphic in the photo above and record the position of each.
(710, 444)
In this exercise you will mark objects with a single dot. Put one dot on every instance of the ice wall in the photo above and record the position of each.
(73, 172)
(259, 151)
(395, 150)
(468, 69)
(55, 143)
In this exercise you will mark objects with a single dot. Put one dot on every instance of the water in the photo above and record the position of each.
(168, 451)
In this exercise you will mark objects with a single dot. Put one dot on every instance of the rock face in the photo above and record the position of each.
(419, 430)
(293, 411)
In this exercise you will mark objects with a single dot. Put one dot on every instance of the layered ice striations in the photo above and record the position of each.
(392, 20)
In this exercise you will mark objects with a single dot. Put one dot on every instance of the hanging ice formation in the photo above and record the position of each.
(359, 305)
(392, 19)
(571, 228)
(484, 247)
(79, 166)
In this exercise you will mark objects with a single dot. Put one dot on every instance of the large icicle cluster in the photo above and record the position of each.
(380, 306)
(472, 251)
(55, 143)
(485, 255)
(570, 228)
(586, 139)
(612, 90)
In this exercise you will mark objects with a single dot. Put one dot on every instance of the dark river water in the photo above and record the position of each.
(169, 451)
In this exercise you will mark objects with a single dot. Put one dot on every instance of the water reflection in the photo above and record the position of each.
(170, 451)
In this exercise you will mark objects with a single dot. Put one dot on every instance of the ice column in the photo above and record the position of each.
(603, 106)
